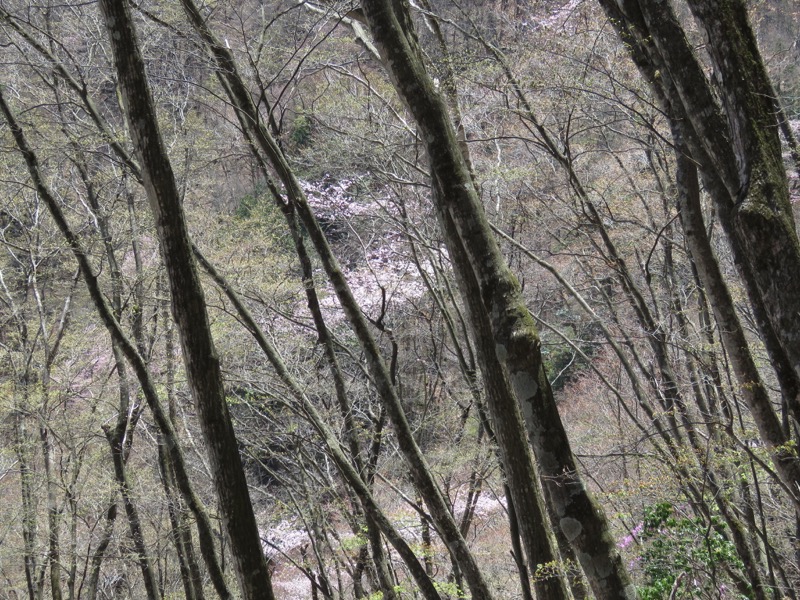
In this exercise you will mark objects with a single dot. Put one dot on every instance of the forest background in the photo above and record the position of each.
(434, 300)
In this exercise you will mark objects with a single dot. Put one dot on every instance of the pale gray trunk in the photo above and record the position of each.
(511, 327)
(509, 430)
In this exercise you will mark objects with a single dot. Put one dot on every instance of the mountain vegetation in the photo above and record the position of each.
(391, 299)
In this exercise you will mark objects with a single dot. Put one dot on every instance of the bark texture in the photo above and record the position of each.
(731, 332)
(663, 55)
(348, 470)
(512, 329)
(188, 307)
(735, 142)
(763, 220)
(509, 432)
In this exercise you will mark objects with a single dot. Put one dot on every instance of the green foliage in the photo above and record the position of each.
(253, 204)
(449, 588)
(561, 361)
(301, 131)
(547, 570)
(258, 210)
(398, 589)
(354, 542)
(683, 552)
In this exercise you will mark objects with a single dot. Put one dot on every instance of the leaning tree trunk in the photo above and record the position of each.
(509, 429)
(513, 333)
(736, 144)
(358, 484)
(763, 220)
(751, 386)
(657, 46)
(188, 307)
(419, 470)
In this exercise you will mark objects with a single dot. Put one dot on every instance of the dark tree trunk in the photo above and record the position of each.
(349, 473)
(730, 329)
(509, 432)
(188, 307)
(737, 147)
(205, 531)
(763, 220)
(134, 522)
(658, 45)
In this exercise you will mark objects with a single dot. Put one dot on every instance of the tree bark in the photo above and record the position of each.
(345, 407)
(188, 308)
(178, 514)
(205, 531)
(662, 54)
(512, 330)
(751, 387)
(509, 431)
(92, 580)
(134, 523)
(737, 147)
(763, 219)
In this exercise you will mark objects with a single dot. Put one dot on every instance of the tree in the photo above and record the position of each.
(334, 219)
(188, 307)
(502, 326)
(736, 144)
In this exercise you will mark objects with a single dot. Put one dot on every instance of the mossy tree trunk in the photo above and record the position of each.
(744, 175)
(762, 215)
(503, 327)
(735, 142)
(134, 358)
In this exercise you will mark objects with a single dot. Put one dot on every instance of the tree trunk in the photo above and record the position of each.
(26, 474)
(763, 219)
(188, 307)
(731, 332)
(190, 570)
(98, 556)
(345, 408)
(737, 148)
(509, 431)
(346, 468)
(134, 523)
(512, 330)
(657, 45)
